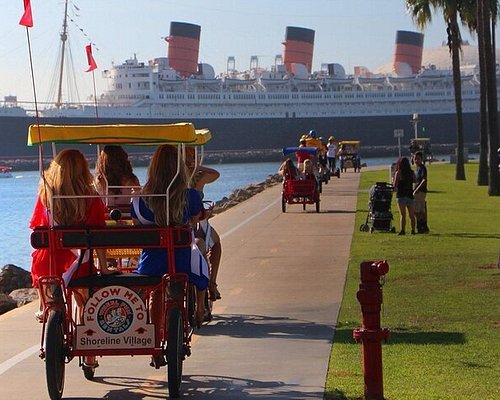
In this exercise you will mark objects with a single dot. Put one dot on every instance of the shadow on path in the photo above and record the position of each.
(344, 336)
(261, 326)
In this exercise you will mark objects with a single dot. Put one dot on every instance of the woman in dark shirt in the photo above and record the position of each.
(404, 178)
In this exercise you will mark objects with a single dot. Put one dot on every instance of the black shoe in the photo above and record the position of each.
(401, 233)
(158, 361)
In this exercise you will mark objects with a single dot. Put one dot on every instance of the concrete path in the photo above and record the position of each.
(282, 278)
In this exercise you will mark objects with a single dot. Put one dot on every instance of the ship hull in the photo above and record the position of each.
(271, 133)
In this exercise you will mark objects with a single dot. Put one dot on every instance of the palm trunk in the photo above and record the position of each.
(457, 83)
(482, 176)
(493, 174)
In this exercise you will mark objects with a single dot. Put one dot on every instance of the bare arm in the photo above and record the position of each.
(419, 186)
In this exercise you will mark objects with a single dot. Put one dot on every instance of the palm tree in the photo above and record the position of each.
(489, 15)
(422, 15)
(471, 14)
(478, 17)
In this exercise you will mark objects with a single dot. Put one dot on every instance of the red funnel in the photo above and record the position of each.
(183, 47)
(299, 45)
(409, 49)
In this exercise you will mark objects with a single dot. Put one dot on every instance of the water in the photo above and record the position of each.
(18, 195)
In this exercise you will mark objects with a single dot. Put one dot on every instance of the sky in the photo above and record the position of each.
(348, 32)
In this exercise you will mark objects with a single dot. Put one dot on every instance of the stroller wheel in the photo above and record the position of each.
(363, 228)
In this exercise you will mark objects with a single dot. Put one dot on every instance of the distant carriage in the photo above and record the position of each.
(423, 145)
(349, 155)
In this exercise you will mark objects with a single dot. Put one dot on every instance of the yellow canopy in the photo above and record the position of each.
(312, 142)
(118, 134)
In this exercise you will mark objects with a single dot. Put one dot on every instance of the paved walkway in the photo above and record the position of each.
(282, 279)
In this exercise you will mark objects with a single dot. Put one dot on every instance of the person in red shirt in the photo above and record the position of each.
(67, 175)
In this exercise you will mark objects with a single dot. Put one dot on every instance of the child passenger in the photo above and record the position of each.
(199, 178)
(185, 206)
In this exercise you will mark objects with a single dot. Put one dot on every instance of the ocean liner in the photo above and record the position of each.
(269, 108)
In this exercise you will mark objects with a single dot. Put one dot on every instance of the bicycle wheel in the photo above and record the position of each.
(175, 353)
(54, 354)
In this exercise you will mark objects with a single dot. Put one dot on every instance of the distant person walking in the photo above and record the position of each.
(404, 178)
(420, 193)
(331, 154)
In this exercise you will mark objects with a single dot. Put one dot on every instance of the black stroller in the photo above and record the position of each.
(379, 209)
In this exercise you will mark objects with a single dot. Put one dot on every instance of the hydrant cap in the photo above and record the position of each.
(381, 267)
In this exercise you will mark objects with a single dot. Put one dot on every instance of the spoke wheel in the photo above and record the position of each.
(175, 354)
(54, 354)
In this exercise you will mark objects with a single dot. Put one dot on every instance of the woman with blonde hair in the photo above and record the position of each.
(184, 208)
(67, 175)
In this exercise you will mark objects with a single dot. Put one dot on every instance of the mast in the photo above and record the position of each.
(64, 37)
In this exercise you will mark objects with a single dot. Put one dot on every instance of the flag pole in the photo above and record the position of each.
(92, 68)
(37, 115)
(95, 100)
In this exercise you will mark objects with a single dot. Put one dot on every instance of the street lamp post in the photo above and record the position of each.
(415, 121)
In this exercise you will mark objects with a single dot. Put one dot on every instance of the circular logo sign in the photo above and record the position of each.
(115, 316)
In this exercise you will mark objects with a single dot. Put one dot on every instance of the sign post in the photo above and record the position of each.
(399, 133)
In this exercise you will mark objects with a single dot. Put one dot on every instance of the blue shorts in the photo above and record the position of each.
(405, 201)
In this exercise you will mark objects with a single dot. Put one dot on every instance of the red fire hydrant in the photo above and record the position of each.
(371, 334)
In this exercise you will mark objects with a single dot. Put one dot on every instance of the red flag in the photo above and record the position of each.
(90, 59)
(27, 18)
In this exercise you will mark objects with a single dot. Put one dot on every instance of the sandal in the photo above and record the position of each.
(214, 292)
(158, 361)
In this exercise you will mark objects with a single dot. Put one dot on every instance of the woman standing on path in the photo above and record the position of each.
(404, 178)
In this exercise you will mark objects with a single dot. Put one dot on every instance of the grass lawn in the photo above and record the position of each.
(441, 297)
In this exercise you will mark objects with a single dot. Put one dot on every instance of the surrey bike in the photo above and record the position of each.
(300, 189)
(116, 318)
